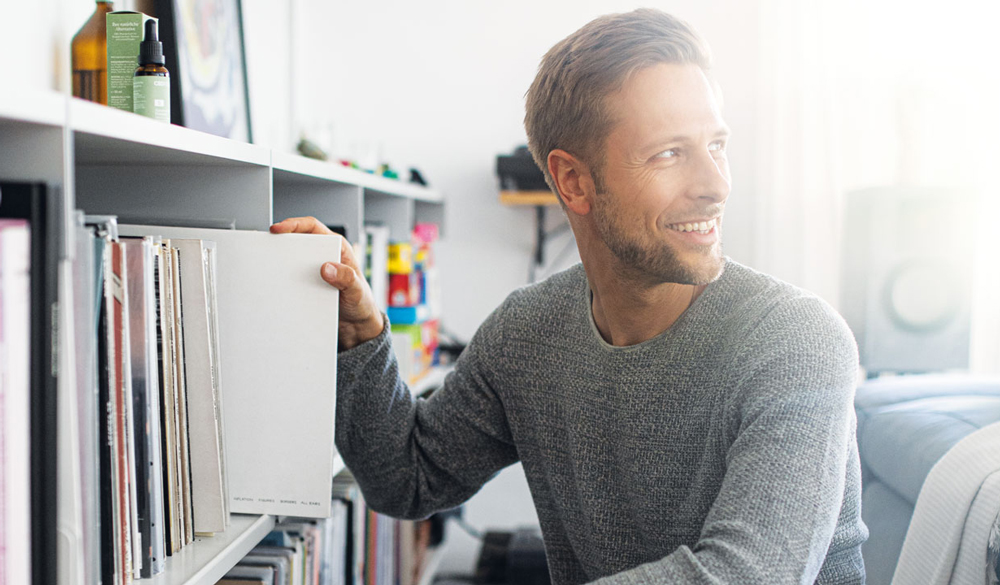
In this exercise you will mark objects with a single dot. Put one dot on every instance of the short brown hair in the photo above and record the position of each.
(565, 104)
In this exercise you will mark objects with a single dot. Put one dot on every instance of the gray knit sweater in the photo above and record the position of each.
(720, 451)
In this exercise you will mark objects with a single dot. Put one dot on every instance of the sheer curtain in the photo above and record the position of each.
(856, 94)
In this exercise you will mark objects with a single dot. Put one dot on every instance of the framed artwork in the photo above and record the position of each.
(203, 43)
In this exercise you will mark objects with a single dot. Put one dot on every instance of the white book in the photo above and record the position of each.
(378, 244)
(86, 291)
(278, 355)
(213, 327)
(207, 488)
(180, 403)
(75, 353)
(15, 492)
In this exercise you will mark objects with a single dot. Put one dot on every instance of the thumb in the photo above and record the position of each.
(331, 275)
(345, 279)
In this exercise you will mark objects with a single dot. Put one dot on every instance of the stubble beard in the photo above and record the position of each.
(654, 262)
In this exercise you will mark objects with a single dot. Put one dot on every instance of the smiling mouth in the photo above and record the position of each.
(701, 227)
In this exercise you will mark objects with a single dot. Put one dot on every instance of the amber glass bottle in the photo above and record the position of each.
(90, 56)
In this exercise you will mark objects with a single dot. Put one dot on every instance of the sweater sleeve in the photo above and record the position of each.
(788, 510)
(412, 456)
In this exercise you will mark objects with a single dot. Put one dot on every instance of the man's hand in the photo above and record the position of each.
(360, 319)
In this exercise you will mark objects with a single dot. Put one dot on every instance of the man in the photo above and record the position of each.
(680, 418)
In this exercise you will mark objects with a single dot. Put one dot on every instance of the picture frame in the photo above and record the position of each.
(206, 56)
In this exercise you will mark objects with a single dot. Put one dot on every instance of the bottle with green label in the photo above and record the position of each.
(151, 82)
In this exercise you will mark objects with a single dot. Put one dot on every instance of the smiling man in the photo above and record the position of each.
(680, 417)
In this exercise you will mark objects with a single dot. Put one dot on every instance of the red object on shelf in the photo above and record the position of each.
(404, 289)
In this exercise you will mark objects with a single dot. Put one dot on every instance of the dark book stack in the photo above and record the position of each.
(37, 208)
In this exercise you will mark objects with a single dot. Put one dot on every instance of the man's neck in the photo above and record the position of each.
(627, 312)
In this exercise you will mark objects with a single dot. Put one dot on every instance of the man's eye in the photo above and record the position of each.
(669, 153)
(717, 146)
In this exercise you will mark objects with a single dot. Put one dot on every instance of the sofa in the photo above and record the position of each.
(906, 426)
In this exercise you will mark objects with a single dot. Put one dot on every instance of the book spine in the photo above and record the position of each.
(156, 505)
(120, 463)
(165, 379)
(181, 403)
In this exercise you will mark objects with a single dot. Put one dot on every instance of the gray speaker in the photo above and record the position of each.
(907, 277)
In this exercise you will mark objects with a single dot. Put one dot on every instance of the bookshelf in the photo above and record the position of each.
(207, 559)
(116, 163)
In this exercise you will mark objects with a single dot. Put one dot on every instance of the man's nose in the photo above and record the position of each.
(711, 181)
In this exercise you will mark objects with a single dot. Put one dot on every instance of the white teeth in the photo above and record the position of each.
(702, 227)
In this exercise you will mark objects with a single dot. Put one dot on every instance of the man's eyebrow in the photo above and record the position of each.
(721, 132)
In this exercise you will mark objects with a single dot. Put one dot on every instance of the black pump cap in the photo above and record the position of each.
(151, 49)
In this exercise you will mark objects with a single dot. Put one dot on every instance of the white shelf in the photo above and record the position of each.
(307, 169)
(45, 108)
(106, 136)
(432, 379)
(431, 566)
(384, 186)
(208, 559)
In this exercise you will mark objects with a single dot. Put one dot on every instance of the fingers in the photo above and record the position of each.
(346, 280)
(300, 225)
(348, 256)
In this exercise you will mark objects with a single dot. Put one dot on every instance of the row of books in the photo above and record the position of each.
(354, 546)
(94, 396)
(157, 355)
(115, 448)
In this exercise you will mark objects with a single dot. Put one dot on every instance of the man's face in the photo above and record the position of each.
(665, 177)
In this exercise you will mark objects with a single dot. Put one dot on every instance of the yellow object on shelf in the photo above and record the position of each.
(400, 258)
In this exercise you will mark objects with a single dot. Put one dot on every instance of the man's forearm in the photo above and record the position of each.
(413, 457)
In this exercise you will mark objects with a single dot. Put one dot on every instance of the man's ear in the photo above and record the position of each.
(573, 181)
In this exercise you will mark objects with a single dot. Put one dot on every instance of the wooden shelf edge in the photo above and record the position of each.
(528, 198)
